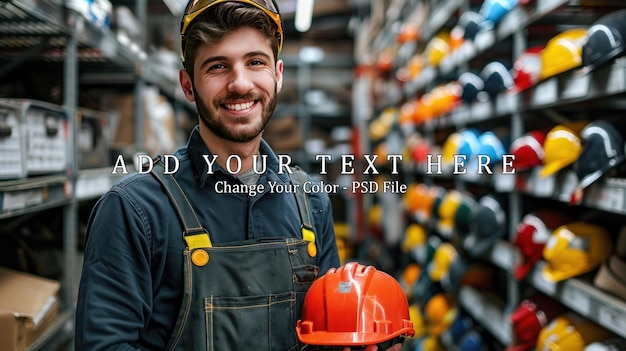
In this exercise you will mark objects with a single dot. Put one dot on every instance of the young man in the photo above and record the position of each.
(192, 260)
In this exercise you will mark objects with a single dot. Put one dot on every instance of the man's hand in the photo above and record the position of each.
(395, 347)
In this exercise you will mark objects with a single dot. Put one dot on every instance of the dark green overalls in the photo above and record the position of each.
(244, 295)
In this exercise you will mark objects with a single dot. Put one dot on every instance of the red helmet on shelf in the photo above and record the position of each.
(354, 305)
(528, 150)
(532, 315)
(531, 236)
(527, 68)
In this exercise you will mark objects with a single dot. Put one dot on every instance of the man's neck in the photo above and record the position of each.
(224, 149)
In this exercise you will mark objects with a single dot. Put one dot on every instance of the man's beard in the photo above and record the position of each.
(215, 125)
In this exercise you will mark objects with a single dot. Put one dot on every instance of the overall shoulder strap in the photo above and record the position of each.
(299, 177)
(194, 234)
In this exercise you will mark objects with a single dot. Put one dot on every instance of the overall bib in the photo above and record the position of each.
(244, 295)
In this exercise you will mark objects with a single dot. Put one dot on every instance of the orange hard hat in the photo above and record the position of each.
(408, 33)
(439, 312)
(354, 305)
(415, 66)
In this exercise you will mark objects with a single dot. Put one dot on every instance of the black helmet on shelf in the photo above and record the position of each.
(488, 226)
(470, 22)
(603, 149)
(606, 40)
(497, 78)
(472, 85)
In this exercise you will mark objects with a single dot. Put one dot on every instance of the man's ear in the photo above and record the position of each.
(279, 76)
(186, 84)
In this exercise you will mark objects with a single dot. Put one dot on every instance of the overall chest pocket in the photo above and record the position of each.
(264, 322)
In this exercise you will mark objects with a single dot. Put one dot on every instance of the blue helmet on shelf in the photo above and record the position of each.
(491, 146)
(493, 11)
(473, 341)
(469, 144)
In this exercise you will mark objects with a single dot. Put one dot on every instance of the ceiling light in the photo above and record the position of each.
(304, 15)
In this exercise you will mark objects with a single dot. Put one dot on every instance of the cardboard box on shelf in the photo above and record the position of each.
(121, 109)
(29, 304)
(158, 122)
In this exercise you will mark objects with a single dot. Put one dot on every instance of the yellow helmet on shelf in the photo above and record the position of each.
(563, 52)
(561, 147)
(447, 210)
(414, 236)
(437, 48)
(570, 332)
(439, 312)
(575, 248)
(444, 255)
(450, 148)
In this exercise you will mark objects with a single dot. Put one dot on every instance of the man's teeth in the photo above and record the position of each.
(239, 107)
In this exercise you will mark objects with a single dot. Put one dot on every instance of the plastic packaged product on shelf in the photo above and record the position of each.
(12, 159)
(37, 135)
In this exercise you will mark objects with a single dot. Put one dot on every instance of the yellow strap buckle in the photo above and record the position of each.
(198, 241)
(309, 235)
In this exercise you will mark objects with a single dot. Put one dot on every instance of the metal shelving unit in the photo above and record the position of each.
(52, 32)
(566, 90)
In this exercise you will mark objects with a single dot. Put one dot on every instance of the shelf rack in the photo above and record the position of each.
(604, 86)
(51, 31)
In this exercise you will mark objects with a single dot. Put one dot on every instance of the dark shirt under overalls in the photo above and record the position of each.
(132, 282)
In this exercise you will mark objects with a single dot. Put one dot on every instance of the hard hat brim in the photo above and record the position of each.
(552, 168)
